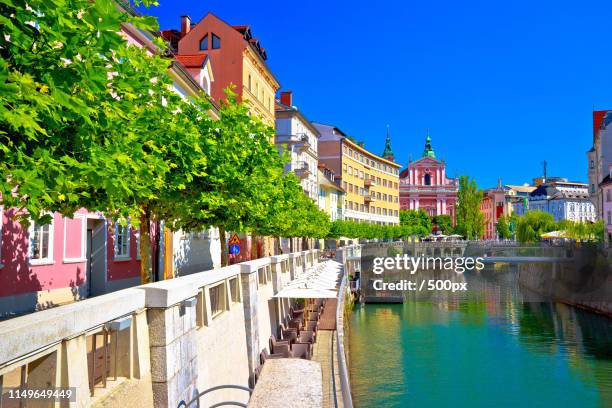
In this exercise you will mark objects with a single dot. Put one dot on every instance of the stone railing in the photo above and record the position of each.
(156, 344)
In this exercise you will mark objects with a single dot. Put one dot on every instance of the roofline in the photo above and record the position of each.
(291, 110)
(180, 69)
(364, 150)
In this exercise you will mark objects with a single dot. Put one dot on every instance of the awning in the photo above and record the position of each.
(306, 293)
(554, 234)
(321, 282)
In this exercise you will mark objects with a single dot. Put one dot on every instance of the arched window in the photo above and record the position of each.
(427, 179)
(204, 43)
(216, 42)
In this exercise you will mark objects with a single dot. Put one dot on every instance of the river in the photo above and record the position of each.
(487, 347)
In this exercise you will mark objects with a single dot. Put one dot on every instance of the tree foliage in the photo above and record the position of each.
(532, 225)
(89, 121)
(470, 220)
(418, 221)
(444, 223)
(503, 228)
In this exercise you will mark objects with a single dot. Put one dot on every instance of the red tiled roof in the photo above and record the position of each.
(192, 61)
(598, 117)
(240, 28)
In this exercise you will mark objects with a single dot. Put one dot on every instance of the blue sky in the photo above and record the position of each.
(502, 85)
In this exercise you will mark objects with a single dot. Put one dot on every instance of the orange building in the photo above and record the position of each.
(235, 56)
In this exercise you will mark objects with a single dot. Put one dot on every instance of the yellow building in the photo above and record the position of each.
(371, 182)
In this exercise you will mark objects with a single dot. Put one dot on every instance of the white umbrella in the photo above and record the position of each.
(306, 293)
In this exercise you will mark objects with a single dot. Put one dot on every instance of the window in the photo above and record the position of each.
(204, 43)
(350, 171)
(608, 198)
(41, 243)
(216, 42)
(592, 165)
(250, 82)
(122, 241)
(427, 180)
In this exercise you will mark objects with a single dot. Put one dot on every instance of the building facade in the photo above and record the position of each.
(298, 138)
(331, 195)
(495, 204)
(518, 197)
(599, 157)
(236, 57)
(564, 200)
(424, 184)
(606, 188)
(371, 182)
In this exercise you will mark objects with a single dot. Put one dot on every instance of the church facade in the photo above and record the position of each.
(424, 184)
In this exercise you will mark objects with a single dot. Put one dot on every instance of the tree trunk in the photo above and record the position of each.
(223, 245)
(146, 267)
(278, 250)
(291, 245)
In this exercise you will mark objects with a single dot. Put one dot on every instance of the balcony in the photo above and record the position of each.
(301, 169)
(300, 141)
(369, 197)
(369, 182)
(303, 144)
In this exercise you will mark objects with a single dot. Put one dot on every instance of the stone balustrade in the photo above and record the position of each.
(156, 344)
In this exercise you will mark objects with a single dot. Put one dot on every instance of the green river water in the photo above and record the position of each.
(487, 347)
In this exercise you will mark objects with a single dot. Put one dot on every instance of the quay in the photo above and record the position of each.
(163, 344)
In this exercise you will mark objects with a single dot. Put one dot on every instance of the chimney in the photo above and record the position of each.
(287, 98)
(185, 25)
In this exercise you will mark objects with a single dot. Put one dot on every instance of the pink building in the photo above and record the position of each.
(70, 259)
(493, 207)
(606, 205)
(424, 185)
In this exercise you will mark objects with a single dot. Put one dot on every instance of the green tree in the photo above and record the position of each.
(503, 227)
(470, 220)
(74, 105)
(582, 231)
(532, 225)
(418, 221)
(444, 223)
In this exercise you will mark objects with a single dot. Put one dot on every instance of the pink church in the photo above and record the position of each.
(424, 185)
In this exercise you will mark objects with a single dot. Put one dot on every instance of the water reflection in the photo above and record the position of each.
(485, 347)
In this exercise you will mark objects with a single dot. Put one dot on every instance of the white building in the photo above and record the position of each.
(331, 195)
(298, 138)
(564, 200)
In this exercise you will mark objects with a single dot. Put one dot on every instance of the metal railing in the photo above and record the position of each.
(184, 404)
(345, 387)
